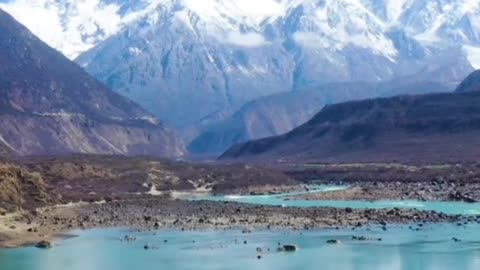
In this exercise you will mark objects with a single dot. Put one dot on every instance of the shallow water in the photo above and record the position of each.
(451, 208)
(401, 249)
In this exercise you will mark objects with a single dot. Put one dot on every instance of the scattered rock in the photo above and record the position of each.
(364, 238)
(458, 196)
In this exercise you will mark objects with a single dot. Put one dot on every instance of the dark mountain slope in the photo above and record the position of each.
(279, 114)
(435, 127)
(471, 83)
(50, 105)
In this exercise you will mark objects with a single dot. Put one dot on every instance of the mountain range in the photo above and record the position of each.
(224, 71)
(432, 127)
(51, 106)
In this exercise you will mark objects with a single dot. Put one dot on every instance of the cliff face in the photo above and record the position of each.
(50, 105)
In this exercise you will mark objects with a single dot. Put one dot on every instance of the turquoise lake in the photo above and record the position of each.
(401, 249)
(429, 248)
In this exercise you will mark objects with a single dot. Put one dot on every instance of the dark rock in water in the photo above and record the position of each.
(359, 238)
(146, 247)
(456, 239)
(333, 241)
(129, 238)
(259, 257)
(288, 248)
(363, 238)
(44, 245)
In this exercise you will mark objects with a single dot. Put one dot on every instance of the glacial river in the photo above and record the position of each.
(451, 208)
(429, 248)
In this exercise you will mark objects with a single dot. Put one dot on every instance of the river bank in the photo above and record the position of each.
(394, 190)
(143, 193)
(155, 213)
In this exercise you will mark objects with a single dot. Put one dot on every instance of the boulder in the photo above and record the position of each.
(288, 248)
(333, 241)
(44, 245)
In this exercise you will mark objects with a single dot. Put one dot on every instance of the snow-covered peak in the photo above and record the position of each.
(74, 26)
(70, 26)
(250, 12)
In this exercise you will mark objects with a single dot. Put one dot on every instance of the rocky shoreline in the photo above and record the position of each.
(437, 190)
(158, 213)
(141, 193)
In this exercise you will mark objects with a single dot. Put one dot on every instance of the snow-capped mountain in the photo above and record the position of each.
(75, 26)
(196, 62)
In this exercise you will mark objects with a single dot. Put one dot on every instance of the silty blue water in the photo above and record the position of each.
(452, 208)
(401, 248)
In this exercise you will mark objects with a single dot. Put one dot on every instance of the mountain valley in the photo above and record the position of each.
(199, 68)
